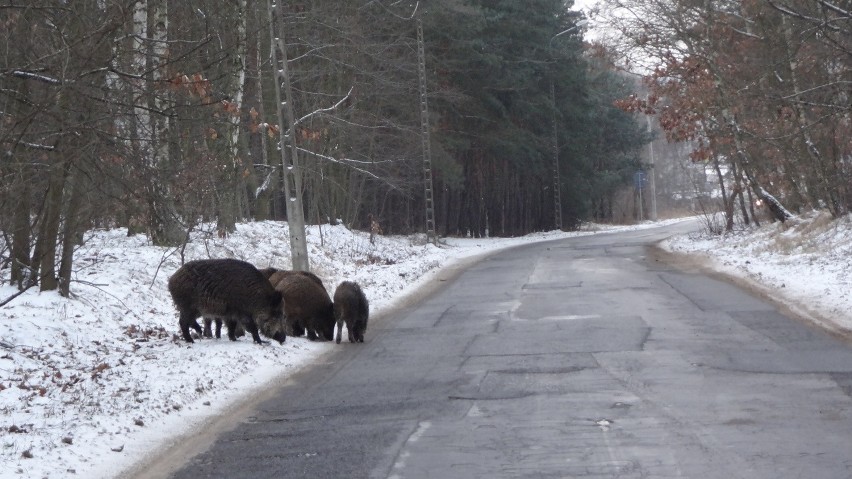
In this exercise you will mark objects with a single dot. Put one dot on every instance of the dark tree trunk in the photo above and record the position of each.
(49, 234)
(70, 231)
(21, 274)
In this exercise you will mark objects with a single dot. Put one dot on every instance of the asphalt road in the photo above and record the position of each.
(584, 357)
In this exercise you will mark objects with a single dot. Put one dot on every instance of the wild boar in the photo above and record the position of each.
(275, 275)
(351, 307)
(307, 305)
(230, 289)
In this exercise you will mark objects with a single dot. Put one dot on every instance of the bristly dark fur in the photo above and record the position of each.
(351, 307)
(276, 275)
(307, 305)
(227, 289)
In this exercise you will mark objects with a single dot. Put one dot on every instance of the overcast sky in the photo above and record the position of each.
(583, 4)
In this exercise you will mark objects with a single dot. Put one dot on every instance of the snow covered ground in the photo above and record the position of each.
(90, 385)
(804, 264)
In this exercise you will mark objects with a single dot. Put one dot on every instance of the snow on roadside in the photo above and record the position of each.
(805, 263)
(90, 385)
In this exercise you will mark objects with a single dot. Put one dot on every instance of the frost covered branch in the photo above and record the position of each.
(263, 187)
(35, 76)
(816, 21)
(323, 110)
(834, 8)
(37, 146)
(819, 87)
(413, 12)
(335, 160)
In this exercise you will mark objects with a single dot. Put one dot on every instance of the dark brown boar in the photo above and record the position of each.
(351, 307)
(275, 275)
(228, 289)
(307, 305)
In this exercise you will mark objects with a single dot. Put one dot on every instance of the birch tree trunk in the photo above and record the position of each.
(228, 198)
(163, 226)
(287, 143)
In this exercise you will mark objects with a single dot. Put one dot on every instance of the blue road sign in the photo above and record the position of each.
(639, 180)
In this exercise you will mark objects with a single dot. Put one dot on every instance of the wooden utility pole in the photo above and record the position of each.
(287, 141)
(431, 235)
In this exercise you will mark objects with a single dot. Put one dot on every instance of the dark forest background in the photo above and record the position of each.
(162, 116)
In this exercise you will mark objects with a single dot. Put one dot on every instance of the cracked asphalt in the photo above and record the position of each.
(587, 357)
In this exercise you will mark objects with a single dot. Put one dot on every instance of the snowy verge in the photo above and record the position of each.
(804, 264)
(92, 384)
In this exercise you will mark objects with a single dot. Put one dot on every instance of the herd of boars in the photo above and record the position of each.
(270, 302)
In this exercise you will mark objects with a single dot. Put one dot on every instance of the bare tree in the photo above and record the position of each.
(694, 47)
(54, 105)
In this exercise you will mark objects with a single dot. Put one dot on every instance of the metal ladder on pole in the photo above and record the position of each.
(431, 235)
(557, 185)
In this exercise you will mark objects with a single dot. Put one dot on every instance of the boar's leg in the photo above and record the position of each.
(311, 334)
(357, 329)
(251, 327)
(293, 327)
(327, 332)
(208, 333)
(232, 325)
(234, 330)
(187, 319)
(339, 330)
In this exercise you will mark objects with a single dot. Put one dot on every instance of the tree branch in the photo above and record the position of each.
(35, 76)
(10, 298)
(321, 110)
